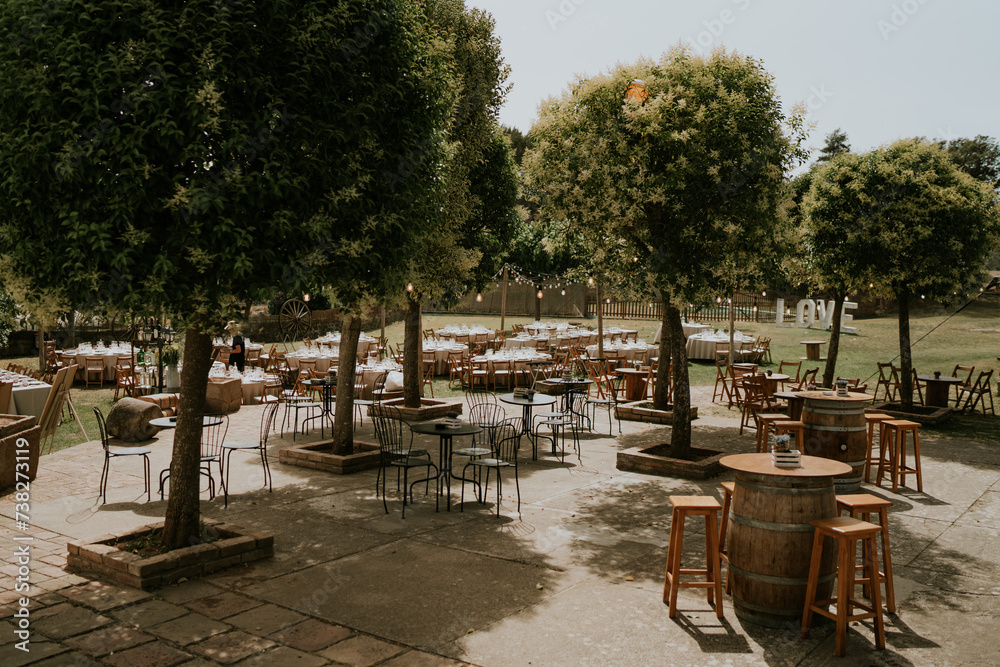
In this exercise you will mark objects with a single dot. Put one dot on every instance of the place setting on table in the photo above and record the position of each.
(28, 395)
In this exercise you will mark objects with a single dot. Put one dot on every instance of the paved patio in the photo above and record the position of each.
(576, 579)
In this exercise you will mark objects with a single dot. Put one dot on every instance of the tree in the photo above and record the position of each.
(833, 243)
(518, 142)
(8, 314)
(909, 222)
(836, 143)
(978, 157)
(451, 255)
(669, 184)
(174, 158)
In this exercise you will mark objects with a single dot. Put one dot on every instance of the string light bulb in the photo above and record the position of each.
(539, 294)
(479, 297)
(305, 298)
(409, 287)
(564, 292)
(590, 280)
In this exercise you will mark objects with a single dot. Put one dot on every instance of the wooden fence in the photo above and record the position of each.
(747, 307)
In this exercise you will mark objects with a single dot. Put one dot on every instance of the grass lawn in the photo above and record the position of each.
(971, 337)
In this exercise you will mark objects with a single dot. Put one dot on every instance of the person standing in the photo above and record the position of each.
(237, 351)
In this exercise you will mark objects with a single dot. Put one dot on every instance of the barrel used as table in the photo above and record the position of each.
(835, 429)
(770, 537)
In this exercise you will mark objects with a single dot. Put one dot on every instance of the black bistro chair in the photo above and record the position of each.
(118, 452)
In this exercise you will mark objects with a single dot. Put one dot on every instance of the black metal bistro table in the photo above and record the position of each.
(326, 386)
(445, 433)
(527, 404)
(171, 422)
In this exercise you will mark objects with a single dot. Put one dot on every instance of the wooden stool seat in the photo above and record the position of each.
(862, 506)
(728, 489)
(764, 423)
(895, 467)
(792, 426)
(873, 419)
(685, 506)
(846, 531)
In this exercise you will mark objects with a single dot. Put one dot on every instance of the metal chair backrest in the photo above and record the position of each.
(390, 429)
(506, 441)
(378, 387)
(480, 397)
(487, 415)
(102, 427)
(266, 421)
(212, 437)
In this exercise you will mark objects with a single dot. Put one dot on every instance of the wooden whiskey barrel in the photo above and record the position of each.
(835, 429)
(770, 542)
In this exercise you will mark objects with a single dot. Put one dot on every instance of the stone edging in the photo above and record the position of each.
(234, 546)
(365, 457)
(631, 412)
(637, 459)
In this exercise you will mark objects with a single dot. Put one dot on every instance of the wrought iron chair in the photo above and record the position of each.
(118, 452)
(503, 455)
(266, 419)
(396, 451)
(212, 438)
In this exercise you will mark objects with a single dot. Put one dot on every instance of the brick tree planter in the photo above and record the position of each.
(643, 411)
(233, 547)
(12, 429)
(429, 409)
(923, 415)
(657, 461)
(320, 456)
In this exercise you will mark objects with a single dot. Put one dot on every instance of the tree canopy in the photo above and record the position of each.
(175, 157)
(670, 187)
(908, 221)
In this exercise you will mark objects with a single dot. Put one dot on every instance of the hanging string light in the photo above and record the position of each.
(409, 287)
(479, 297)
(539, 294)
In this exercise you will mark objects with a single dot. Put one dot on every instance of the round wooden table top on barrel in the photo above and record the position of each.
(770, 537)
(828, 395)
(760, 464)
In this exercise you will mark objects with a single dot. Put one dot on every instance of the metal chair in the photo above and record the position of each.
(118, 452)
(212, 438)
(266, 419)
(503, 455)
(395, 441)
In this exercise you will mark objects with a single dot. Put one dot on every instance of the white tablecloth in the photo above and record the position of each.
(702, 346)
(30, 400)
(526, 343)
(690, 328)
(518, 365)
(441, 352)
(80, 358)
(632, 351)
(323, 362)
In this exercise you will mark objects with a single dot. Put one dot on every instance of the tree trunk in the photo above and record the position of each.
(538, 304)
(41, 350)
(680, 430)
(905, 359)
(343, 416)
(412, 355)
(830, 372)
(662, 388)
(181, 523)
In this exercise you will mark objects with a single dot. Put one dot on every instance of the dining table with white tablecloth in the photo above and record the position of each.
(703, 345)
(640, 352)
(324, 358)
(689, 329)
(442, 349)
(466, 335)
(110, 356)
(28, 395)
(517, 360)
(526, 342)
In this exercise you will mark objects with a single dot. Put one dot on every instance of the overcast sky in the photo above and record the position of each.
(880, 70)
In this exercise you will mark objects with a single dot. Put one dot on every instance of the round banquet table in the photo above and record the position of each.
(110, 359)
(631, 352)
(769, 541)
(700, 346)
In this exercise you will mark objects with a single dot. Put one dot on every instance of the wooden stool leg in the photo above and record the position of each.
(814, 563)
(890, 593)
(845, 586)
(876, 598)
(916, 460)
(714, 564)
(723, 528)
(868, 456)
(884, 450)
(674, 562)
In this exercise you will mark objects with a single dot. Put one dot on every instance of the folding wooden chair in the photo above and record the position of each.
(976, 393)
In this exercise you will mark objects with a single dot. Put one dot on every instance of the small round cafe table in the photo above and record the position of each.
(171, 422)
(528, 403)
(445, 433)
(769, 541)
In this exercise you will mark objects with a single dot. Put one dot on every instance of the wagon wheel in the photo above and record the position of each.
(294, 318)
(124, 327)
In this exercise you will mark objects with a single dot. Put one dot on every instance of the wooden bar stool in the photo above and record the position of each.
(796, 427)
(765, 421)
(862, 506)
(874, 419)
(685, 506)
(728, 488)
(895, 435)
(847, 531)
